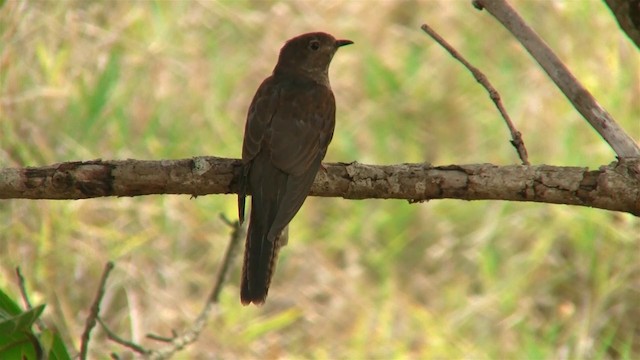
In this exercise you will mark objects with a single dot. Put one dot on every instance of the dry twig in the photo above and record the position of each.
(191, 335)
(90, 323)
(516, 136)
(117, 339)
(25, 297)
(179, 342)
(623, 145)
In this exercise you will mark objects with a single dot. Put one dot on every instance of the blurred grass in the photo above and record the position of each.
(360, 279)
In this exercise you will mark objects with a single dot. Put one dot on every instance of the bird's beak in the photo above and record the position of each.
(343, 42)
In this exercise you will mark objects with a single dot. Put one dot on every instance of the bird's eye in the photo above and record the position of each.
(314, 45)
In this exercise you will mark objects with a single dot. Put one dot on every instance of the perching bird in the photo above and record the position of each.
(289, 127)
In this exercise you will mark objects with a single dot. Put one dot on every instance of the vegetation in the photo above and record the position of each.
(81, 80)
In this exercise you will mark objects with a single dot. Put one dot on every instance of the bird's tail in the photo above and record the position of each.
(260, 257)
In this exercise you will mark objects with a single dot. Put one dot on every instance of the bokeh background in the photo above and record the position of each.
(81, 80)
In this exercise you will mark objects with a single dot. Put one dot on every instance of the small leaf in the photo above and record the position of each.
(8, 306)
(20, 323)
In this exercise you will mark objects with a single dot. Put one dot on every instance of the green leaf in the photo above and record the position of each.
(20, 323)
(8, 306)
(17, 341)
(53, 345)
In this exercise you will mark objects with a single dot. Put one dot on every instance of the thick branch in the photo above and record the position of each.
(615, 187)
(580, 97)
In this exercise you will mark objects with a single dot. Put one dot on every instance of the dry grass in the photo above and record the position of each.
(367, 279)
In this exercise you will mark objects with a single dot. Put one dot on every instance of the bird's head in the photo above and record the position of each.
(309, 53)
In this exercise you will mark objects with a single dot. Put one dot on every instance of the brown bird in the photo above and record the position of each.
(289, 127)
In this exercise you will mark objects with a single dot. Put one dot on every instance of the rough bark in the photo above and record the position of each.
(612, 187)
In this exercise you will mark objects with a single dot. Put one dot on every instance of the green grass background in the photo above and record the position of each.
(81, 80)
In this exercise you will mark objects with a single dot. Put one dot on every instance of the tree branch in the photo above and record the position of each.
(614, 187)
(578, 95)
(179, 342)
(516, 136)
(25, 297)
(90, 322)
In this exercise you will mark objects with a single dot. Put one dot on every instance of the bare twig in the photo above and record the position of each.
(191, 335)
(23, 289)
(165, 339)
(25, 297)
(117, 339)
(578, 95)
(178, 342)
(94, 312)
(237, 236)
(516, 136)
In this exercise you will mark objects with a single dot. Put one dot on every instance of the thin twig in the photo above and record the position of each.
(237, 236)
(191, 335)
(581, 99)
(94, 312)
(23, 289)
(160, 338)
(516, 136)
(178, 342)
(25, 297)
(117, 339)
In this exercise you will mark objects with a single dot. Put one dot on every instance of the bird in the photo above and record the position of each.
(290, 123)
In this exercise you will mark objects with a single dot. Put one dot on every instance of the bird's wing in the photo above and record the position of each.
(261, 111)
(299, 135)
(293, 122)
(302, 127)
(288, 130)
(296, 120)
